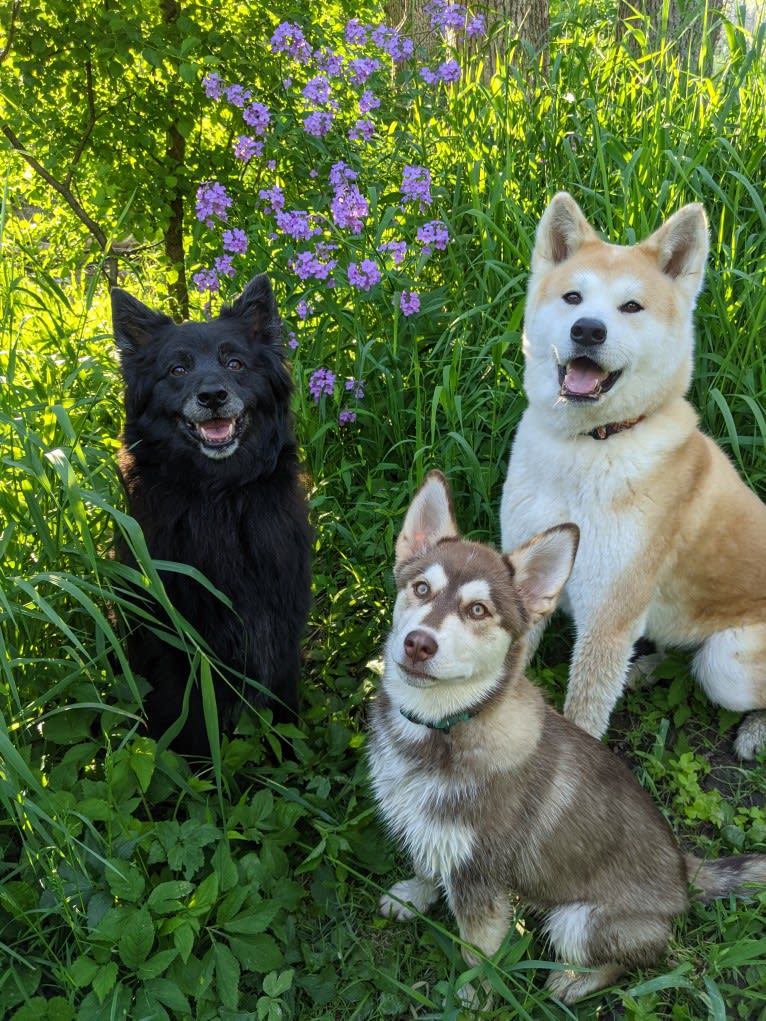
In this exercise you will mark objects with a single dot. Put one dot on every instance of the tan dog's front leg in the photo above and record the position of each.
(597, 676)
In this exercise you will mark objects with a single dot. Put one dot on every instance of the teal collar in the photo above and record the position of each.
(444, 725)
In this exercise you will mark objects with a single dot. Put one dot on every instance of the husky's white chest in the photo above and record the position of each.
(414, 804)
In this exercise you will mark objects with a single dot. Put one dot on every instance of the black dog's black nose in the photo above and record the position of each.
(212, 398)
(420, 646)
(588, 332)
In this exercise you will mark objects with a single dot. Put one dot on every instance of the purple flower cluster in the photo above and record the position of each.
(317, 80)
(258, 117)
(448, 72)
(416, 186)
(296, 223)
(316, 265)
(289, 39)
(409, 303)
(212, 201)
(235, 241)
(245, 148)
(434, 234)
(364, 274)
(321, 383)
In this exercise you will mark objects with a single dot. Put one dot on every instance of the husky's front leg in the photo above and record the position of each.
(483, 925)
(597, 676)
(419, 892)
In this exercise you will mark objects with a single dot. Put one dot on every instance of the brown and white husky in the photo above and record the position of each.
(491, 791)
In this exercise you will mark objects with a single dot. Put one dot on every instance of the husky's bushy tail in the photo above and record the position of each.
(721, 876)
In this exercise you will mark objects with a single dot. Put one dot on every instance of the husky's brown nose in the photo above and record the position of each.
(420, 646)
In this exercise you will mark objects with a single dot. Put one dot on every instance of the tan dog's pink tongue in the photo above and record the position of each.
(583, 378)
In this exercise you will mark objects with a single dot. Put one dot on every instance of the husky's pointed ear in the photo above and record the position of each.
(256, 309)
(541, 567)
(680, 246)
(429, 519)
(561, 231)
(134, 324)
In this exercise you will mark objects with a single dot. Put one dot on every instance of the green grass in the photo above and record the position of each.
(136, 884)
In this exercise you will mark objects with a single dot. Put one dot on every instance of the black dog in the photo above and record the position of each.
(210, 467)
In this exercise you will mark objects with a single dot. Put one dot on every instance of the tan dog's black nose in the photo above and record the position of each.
(420, 646)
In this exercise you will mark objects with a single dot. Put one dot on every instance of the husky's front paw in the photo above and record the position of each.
(751, 736)
(418, 892)
(569, 986)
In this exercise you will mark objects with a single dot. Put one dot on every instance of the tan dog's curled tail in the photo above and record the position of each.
(722, 876)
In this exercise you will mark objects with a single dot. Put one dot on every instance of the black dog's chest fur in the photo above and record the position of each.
(240, 519)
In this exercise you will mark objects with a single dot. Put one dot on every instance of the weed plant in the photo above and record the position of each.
(135, 884)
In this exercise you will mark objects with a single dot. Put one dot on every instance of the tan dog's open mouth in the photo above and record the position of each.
(582, 379)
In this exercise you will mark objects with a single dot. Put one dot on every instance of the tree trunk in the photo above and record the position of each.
(175, 157)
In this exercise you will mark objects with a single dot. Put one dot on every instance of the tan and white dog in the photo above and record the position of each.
(495, 794)
(672, 541)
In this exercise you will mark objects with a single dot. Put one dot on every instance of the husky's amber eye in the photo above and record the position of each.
(631, 306)
(178, 370)
(421, 588)
(478, 611)
(572, 297)
(235, 365)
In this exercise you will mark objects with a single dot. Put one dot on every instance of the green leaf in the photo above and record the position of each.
(83, 971)
(276, 984)
(184, 937)
(259, 953)
(137, 939)
(227, 972)
(254, 920)
(154, 966)
(142, 761)
(165, 898)
(103, 981)
(124, 880)
(205, 896)
(168, 994)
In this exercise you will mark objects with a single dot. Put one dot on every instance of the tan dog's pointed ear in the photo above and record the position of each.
(561, 231)
(541, 567)
(680, 246)
(429, 519)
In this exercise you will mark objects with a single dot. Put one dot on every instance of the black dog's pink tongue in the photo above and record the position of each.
(583, 376)
(217, 430)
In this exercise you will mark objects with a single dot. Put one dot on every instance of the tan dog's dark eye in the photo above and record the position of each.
(572, 297)
(631, 307)
(421, 588)
(478, 611)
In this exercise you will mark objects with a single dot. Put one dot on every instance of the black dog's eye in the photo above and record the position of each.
(631, 307)
(235, 365)
(421, 588)
(178, 370)
(572, 297)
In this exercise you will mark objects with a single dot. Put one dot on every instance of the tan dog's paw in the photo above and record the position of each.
(751, 736)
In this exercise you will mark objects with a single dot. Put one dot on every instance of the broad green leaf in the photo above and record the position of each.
(227, 973)
(137, 939)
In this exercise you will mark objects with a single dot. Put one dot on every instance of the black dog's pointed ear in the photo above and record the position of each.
(256, 308)
(134, 324)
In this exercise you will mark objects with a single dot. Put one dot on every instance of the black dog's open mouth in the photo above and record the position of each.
(217, 433)
(584, 380)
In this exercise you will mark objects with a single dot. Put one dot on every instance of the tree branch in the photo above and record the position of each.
(11, 27)
(63, 190)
